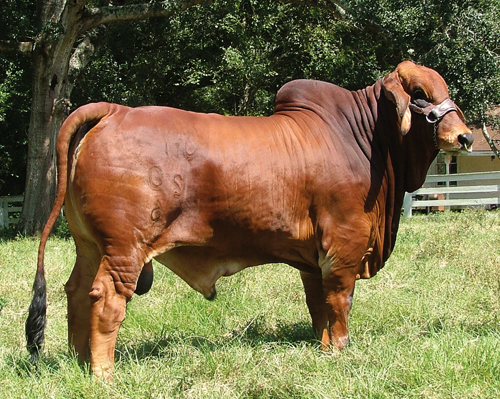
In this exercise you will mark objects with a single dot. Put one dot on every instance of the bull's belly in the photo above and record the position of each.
(201, 267)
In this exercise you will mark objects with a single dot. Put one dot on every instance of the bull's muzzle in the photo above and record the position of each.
(466, 140)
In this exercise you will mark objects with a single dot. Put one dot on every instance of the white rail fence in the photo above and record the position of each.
(9, 207)
(455, 191)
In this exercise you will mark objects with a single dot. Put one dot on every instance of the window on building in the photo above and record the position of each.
(441, 166)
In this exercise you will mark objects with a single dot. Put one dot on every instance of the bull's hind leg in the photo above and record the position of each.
(112, 288)
(77, 291)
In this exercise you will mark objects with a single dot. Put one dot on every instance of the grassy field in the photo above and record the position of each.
(427, 326)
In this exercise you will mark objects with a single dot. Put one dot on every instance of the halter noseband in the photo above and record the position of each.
(433, 113)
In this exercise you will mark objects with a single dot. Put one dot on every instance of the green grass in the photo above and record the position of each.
(427, 326)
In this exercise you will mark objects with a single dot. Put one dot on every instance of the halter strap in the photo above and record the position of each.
(433, 113)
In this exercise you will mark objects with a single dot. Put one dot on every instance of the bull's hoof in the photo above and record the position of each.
(336, 344)
(341, 342)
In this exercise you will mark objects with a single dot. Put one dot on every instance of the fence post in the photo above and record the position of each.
(5, 210)
(407, 205)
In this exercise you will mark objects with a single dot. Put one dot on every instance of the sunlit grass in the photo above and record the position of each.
(427, 326)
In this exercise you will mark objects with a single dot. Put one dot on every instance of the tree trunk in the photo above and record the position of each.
(49, 106)
(491, 143)
(46, 118)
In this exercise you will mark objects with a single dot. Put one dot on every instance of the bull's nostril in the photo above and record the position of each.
(466, 140)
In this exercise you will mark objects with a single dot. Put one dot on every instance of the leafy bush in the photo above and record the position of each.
(61, 228)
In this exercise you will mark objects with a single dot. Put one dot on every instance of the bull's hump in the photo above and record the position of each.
(307, 94)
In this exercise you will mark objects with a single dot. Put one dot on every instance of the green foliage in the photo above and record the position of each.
(61, 229)
(17, 19)
(219, 57)
(16, 23)
(427, 326)
(14, 121)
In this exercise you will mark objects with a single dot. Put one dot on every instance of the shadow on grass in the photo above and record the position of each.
(47, 364)
(257, 332)
(8, 234)
(254, 333)
(22, 367)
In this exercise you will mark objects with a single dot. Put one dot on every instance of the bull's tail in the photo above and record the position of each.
(35, 324)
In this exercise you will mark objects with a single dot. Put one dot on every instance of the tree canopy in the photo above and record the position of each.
(232, 57)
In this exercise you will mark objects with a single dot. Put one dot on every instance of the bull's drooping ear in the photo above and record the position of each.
(460, 113)
(394, 91)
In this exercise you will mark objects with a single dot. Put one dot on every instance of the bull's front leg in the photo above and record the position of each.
(338, 289)
(316, 303)
(329, 300)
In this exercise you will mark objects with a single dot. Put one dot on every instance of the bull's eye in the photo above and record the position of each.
(419, 94)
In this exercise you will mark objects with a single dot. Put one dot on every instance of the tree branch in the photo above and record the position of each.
(24, 48)
(336, 6)
(96, 16)
(489, 140)
(80, 58)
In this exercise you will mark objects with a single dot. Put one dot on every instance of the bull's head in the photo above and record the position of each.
(415, 90)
